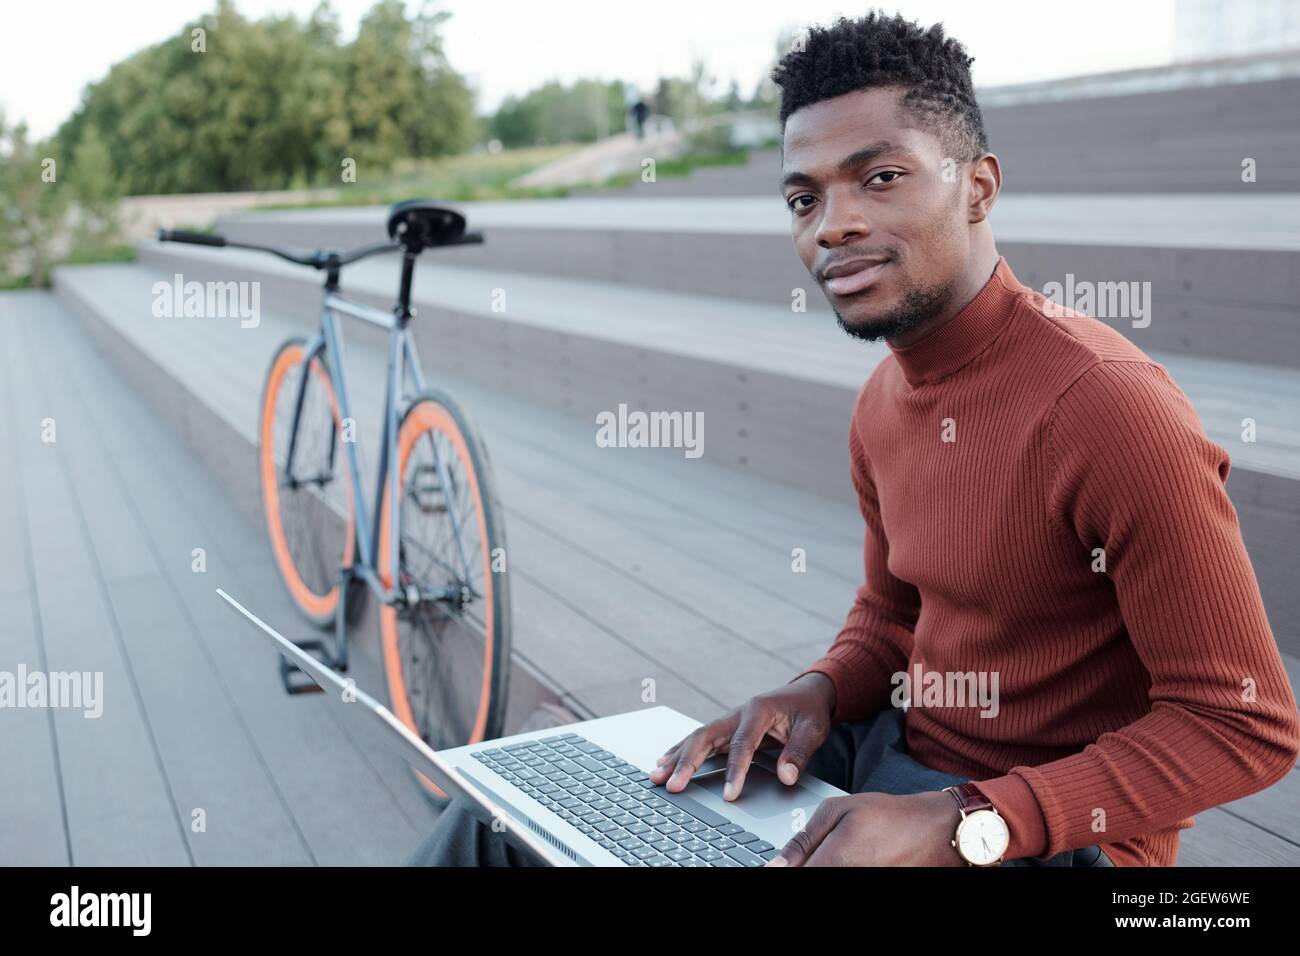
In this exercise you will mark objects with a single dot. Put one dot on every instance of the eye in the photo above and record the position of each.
(792, 203)
(893, 174)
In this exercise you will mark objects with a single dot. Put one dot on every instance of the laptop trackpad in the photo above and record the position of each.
(764, 795)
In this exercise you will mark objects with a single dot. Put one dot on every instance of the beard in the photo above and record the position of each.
(917, 307)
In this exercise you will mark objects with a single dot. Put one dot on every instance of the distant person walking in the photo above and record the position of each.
(639, 112)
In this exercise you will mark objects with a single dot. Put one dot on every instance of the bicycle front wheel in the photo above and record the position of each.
(446, 642)
(310, 519)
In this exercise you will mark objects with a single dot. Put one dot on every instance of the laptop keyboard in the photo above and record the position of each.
(616, 805)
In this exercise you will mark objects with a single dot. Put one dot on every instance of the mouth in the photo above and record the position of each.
(852, 277)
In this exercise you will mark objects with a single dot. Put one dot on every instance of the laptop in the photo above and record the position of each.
(579, 795)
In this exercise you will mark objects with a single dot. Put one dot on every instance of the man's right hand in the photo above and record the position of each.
(797, 715)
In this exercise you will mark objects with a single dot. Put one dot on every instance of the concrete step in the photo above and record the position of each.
(592, 345)
(1135, 140)
(627, 567)
(1224, 270)
(1189, 139)
(775, 392)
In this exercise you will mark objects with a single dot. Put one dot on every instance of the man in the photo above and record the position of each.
(639, 113)
(1044, 516)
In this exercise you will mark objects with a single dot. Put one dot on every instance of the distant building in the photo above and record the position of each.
(1211, 29)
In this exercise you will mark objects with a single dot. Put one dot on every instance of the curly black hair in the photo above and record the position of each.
(876, 50)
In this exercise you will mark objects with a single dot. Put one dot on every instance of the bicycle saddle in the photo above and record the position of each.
(419, 224)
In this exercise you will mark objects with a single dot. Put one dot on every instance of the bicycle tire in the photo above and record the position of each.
(429, 635)
(311, 579)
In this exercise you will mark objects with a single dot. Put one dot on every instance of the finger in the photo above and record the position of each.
(805, 843)
(807, 733)
(745, 740)
(699, 747)
(668, 762)
(664, 765)
(693, 753)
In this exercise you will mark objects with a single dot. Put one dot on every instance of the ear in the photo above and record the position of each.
(986, 183)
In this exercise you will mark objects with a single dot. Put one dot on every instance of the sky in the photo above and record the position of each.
(50, 50)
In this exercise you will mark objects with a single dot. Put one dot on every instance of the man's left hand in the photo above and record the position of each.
(878, 829)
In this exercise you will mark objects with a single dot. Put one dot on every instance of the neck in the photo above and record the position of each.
(978, 270)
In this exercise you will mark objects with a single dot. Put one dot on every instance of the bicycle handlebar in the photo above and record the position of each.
(320, 259)
(317, 260)
(352, 256)
(195, 238)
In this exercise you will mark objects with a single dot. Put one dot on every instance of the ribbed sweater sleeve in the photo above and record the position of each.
(876, 640)
(1132, 473)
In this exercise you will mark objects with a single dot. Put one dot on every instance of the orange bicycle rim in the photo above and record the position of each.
(430, 416)
(311, 602)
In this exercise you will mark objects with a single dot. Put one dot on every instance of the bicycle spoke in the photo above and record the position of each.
(443, 644)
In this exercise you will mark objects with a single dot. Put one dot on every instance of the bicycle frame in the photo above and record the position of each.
(403, 366)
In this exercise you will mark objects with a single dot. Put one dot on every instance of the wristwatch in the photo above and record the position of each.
(982, 835)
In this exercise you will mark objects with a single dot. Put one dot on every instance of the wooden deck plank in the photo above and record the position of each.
(1276, 809)
(31, 801)
(15, 576)
(680, 642)
(34, 833)
(210, 760)
(215, 769)
(346, 815)
(119, 803)
(395, 791)
(572, 649)
(246, 548)
(611, 516)
(556, 455)
(1221, 839)
(759, 617)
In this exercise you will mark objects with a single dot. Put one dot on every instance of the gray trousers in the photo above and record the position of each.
(864, 756)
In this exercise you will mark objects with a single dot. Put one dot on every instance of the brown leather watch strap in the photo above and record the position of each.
(969, 798)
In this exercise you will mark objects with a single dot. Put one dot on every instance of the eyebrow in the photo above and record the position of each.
(852, 161)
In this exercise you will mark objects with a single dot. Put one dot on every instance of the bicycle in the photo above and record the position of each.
(445, 614)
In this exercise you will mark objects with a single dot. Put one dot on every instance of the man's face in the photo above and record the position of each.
(872, 217)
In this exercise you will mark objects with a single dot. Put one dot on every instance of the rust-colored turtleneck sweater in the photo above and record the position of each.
(1042, 504)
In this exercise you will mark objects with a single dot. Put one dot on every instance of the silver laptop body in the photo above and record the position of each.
(505, 781)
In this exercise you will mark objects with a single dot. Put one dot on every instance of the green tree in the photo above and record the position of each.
(33, 204)
(556, 113)
(403, 98)
(230, 103)
(95, 189)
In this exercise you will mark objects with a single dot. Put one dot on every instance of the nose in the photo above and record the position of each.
(844, 219)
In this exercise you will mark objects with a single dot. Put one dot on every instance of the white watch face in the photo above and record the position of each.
(983, 837)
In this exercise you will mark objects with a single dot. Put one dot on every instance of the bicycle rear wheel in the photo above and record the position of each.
(309, 513)
(447, 642)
